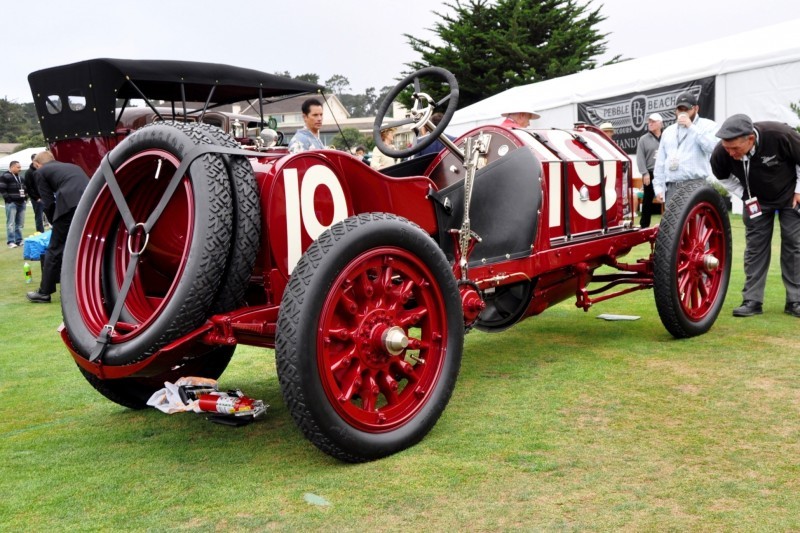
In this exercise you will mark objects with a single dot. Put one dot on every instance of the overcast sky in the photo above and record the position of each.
(361, 40)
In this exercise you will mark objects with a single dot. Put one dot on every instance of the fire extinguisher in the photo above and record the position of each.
(232, 407)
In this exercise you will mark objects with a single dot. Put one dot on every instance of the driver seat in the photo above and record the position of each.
(504, 212)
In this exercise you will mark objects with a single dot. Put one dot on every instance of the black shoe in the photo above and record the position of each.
(748, 308)
(792, 308)
(38, 298)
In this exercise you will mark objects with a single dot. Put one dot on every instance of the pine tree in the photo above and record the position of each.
(493, 46)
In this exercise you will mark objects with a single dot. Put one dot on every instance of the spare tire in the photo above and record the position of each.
(246, 224)
(134, 392)
(180, 267)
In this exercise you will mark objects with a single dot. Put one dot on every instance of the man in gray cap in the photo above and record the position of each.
(685, 147)
(760, 163)
(646, 150)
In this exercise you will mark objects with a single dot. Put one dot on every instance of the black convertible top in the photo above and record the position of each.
(102, 81)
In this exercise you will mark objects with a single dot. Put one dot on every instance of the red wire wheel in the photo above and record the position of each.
(181, 259)
(104, 255)
(692, 260)
(379, 350)
(370, 336)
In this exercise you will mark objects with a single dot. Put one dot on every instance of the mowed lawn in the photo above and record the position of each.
(563, 422)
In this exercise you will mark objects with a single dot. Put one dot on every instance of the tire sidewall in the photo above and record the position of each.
(376, 233)
(174, 317)
(667, 249)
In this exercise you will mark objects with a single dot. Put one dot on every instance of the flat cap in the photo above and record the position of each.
(686, 99)
(735, 126)
(656, 117)
(606, 126)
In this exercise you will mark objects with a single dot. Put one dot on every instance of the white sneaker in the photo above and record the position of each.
(12, 245)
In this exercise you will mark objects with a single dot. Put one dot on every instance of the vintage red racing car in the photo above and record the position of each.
(189, 241)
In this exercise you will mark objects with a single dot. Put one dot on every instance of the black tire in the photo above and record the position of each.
(505, 308)
(692, 260)
(193, 288)
(310, 301)
(134, 392)
(246, 225)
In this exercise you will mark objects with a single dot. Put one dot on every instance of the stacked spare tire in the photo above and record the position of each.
(186, 243)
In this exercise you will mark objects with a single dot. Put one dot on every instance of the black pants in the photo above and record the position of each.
(758, 245)
(647, 201)
(38, 214)
(54, 253)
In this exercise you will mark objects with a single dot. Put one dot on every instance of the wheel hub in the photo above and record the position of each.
(710, 263)
(394, 340)
(380, 339)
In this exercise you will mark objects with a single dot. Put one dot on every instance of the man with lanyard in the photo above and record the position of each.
(684, 149)
(12, 188)
(760, 163)
(646, 150)
(307, 138)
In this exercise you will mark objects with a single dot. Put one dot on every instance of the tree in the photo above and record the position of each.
(356, 104)
(349, 138)
(309, 77)
(337, 84)
(31, 141)
(378, 99)
(494, 46)
(18, 124)
(796, 109)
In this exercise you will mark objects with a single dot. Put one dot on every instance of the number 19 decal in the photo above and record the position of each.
(300, 212)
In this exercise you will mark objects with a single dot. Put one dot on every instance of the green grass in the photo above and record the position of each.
(564, 422)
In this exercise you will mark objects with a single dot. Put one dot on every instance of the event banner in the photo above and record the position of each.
(628, 112)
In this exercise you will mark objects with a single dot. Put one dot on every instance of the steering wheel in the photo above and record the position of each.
(420, 113)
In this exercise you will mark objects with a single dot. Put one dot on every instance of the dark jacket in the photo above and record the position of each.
(10, 186)
(773, 172)
(61, 186)
(30, 184)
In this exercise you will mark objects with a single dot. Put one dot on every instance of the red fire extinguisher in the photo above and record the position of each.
(232, 407)
(230, 403)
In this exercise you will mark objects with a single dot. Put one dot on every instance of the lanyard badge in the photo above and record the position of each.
(751, 204)
(753, 207)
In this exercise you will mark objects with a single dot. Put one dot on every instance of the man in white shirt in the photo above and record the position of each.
(307, 138)
(685, 147)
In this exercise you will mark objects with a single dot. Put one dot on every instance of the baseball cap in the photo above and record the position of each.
(686, 99)
(656, 117)
(735, 126)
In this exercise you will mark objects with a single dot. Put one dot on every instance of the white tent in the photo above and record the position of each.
(756, 72)
(23, 156)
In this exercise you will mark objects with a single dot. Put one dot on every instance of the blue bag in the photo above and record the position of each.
(35, 245)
